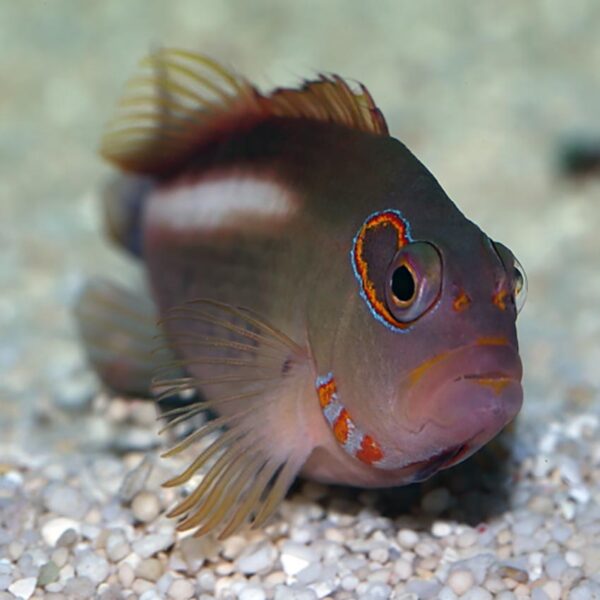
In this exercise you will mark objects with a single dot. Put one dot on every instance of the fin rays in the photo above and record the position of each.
(181, 100)
(245, 473)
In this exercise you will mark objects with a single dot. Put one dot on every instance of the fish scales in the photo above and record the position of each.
(314, 284)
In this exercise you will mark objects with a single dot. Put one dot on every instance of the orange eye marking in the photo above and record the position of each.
(461, 302)
(341, 427)
(369, 452)
(499, 299)
(386, 218)
(348, 435)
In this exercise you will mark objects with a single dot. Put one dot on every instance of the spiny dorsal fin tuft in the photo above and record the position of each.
(181, 101)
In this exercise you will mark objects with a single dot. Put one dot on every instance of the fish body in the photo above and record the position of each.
(339, 314)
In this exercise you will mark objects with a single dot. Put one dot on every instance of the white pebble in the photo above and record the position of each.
(116, 546)
(152, 544)
(574, 559)
(65, 501)
(295, 557)
(407, 538)
(23, 588)
(150, 569)
(403, 569)
(257, 557)
(441, 529)
(181, 589)
(145, 507)
(53, 529)
(477, 593)
(460, 581)
(252, 592)
(126, 575)
(92, 566)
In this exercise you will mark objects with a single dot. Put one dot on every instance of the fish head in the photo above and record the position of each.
(425, 355)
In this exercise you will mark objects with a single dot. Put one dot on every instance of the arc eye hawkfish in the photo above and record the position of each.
(337, 314)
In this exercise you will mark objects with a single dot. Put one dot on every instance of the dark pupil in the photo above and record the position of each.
(403, 284)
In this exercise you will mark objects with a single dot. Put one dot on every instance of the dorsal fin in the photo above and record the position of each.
(181, 101)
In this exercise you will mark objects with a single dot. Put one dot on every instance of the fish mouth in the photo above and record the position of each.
(442, 460)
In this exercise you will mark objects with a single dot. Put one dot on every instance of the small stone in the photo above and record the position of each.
(181, 589)
(15, 549)
(92, 566)
(126, 575)
(377, 591)
(54, 530)
(135, 480)
(150, 569)
(196, 551)
(65, 501)
(252, 592)
(152, 544)
(60, 556)
(145, 507)
(574, 559)
(555, 565)
(441, 529)
(116, 546)
(296, 557)
(256, 558)
(206, 581)
(466, 538)
(80, 588)
(48, 574)
(460, 581)
(23, 588)
(403, 569)
(407, 538)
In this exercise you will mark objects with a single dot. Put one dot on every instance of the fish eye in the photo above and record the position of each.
(519, 285)
(516, 273)
(413, 281)
(403, 285)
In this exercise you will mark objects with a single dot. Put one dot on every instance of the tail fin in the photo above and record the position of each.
(122, 200)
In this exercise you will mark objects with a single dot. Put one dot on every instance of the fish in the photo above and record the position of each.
(335, 313)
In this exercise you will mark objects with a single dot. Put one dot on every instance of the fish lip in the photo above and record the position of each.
(488, 375)
(441, 460)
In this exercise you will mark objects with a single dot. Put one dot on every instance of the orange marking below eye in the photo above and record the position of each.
(341, 427)
(499, 299)
(370, 451)
(461, 302)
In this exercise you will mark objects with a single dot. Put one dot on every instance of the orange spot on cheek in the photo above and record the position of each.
(369, 451)
(461, 302)
(341, 427)
(499, 299)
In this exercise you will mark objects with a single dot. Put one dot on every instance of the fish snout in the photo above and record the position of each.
(467, 397)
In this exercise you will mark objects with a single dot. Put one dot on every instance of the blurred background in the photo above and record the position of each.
(496, 99)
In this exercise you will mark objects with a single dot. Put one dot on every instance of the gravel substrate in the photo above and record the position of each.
(94, 526)
(486, 94)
